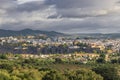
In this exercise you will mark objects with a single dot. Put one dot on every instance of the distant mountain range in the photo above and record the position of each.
(98, 35)
(25, 32)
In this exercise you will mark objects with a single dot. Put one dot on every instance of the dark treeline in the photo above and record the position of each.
(47, 49)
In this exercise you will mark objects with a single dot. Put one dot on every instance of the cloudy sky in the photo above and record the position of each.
(68, 16)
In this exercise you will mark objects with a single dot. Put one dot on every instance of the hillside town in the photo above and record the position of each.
(23, 42)
(42, 46)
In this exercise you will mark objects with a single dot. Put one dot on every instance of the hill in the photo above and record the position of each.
(25, 32)
(97, 35)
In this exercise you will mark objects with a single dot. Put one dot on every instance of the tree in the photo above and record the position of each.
(113, 61)
(6, 66)
(119, 60)
(26, 74)
(108, 72)
(58, 60)
(3, 56)
(101, 59)
(83, 74)
(54, 75)
(4, 75)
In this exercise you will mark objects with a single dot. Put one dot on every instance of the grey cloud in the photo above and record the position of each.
(66, 3)
(61, 15)
(81, 3)
(32, 6)
(118, 2)
(82, 8)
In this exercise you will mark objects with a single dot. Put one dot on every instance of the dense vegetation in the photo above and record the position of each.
(55, 69)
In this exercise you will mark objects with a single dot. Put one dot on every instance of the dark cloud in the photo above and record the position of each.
(81, 8)
(66, 4)
(118, 2)
(33, 6)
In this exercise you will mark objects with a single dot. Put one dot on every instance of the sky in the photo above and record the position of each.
(67, 16)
